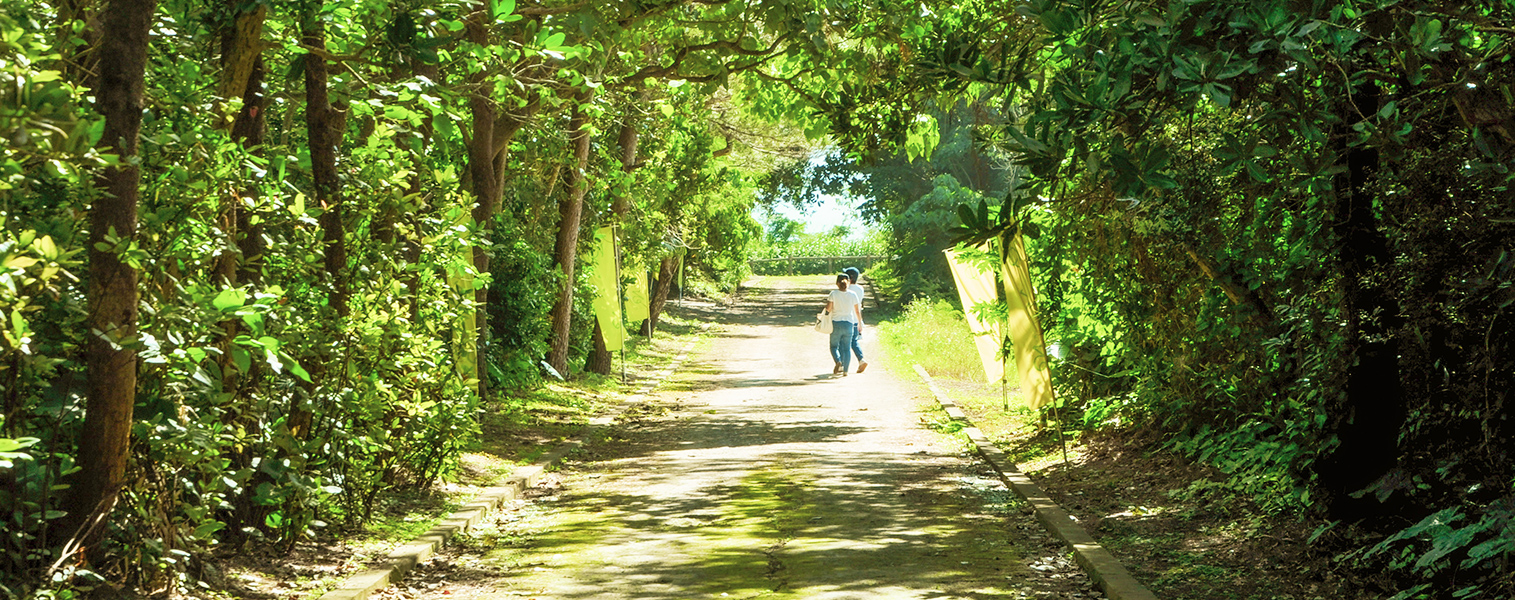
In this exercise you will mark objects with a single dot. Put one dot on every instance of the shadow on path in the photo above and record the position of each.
(752, 476)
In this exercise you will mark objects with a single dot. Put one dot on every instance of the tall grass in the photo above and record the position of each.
(934, 335)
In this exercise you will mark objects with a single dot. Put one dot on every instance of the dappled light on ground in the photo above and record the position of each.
(750, 476)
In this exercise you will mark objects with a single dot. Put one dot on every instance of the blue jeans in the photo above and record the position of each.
(841, 337)
(857, 334)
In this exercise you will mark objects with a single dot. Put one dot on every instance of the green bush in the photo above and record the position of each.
(521, 296)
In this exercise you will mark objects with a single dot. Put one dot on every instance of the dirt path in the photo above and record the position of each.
(756, 474)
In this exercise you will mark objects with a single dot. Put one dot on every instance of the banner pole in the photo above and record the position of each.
(1004, 380)
(620, 295)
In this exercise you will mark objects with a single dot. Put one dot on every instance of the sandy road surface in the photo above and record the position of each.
(755, 473)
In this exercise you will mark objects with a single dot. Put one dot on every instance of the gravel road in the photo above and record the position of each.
(754, 473)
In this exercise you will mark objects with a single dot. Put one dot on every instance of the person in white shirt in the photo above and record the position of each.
(857, 332)
(845, 315)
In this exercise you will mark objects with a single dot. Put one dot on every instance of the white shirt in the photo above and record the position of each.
(842, 305)
(857, 290)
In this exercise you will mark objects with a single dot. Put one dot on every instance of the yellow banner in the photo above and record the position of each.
(607, 297)
(1025, 331)
(974, 287)
(637, 305)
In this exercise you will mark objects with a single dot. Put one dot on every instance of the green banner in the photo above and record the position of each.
(637, 305)
(607, 298)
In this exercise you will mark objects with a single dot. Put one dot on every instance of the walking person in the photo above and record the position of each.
(845, 315)
(857, 332)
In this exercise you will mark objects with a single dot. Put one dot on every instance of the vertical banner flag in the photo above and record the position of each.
(1025, 331)
(974, 287)
(460, 275)
(607, 297)
(637, 304)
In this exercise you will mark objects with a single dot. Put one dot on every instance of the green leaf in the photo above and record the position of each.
(205, 530)
(294, 367)
(45, 247)
(10, 445)
(20, 262)
(229, 299)
(1256, 172)
(965, 214)
(502, 8)
(242, 358)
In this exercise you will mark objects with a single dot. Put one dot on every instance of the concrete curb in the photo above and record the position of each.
(401, 560)
(1111, 576)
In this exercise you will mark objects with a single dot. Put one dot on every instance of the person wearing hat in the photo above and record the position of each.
(856, 289)
(845, 315)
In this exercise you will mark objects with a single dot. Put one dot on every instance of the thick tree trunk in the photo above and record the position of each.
(110, 354)
(570, 212)
(667, 270)
(488, 149)
(242, 69)
(1374, 410)
(241, 46)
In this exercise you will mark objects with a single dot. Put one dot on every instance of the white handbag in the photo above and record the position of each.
(823, 322)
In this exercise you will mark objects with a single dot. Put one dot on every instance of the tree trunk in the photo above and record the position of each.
(110, 353)
(241, 258)
(667, 270)
(488, 149)
(1368, 423)
(241, 47)
(570, 212)
(600, 360)
(324, 133)
(322, 123)
(249, 129)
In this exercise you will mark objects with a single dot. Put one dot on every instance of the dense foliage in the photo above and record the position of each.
(1277, 233)
(262, 262)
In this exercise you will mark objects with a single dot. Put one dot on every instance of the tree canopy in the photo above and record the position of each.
(262, 260)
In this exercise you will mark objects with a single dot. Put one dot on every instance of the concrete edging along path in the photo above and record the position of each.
(1113, 578)
(404, 558)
